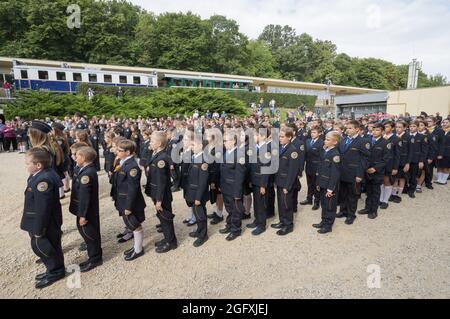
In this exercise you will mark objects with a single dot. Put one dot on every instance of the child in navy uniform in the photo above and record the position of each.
(314, 146)
(158, 189)
(42, 215)
(84, 204)
(327, 179)
(129, 200)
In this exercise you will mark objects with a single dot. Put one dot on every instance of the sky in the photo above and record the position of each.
(397, 30)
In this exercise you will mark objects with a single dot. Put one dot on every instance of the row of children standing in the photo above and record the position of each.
(337, 168)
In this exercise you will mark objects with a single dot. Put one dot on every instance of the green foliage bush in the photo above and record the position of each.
(170, 102)
(282, 100)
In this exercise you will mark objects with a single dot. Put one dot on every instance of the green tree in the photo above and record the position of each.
(261, 63)
(229, 47)
(176, 41)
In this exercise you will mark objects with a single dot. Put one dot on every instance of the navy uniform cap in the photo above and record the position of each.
(58, 126)
(41, 126)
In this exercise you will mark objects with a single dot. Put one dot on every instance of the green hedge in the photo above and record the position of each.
(283, 100)
(170, 102)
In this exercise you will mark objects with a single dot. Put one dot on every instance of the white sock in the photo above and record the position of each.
(193, 219)
(138, 240)
(440, 176)
(395, 190)
(387, 193)
(61, 191)
(382, 193)
(219, 212)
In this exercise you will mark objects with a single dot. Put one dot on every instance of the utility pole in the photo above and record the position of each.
(413, 74)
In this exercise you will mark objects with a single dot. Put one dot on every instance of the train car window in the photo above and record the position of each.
(77, 77)
(61, 76)
(92, 77)
(123, 79)
(43, 75)
(136, 79)
(24, 74)
(107, 78)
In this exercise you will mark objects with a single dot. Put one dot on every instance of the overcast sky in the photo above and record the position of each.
(397, 31)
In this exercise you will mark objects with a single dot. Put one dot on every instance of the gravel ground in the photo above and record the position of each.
(410, 243)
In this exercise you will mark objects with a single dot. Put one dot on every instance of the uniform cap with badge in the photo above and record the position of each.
(41, 126)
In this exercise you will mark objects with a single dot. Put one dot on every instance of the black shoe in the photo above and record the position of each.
(363, 211)
(174, 189)
(191, 223)
(258, 231)
(200, 241)
(91, 265)
(159, 230)
(315, 207)
(277, 226)
(40, 276)
(62, 197)
(193, 234)
(252, 225)
(210, 216)
(412, 195)
(384, 205)
(134, 255)
(160, 243)
(47, 281)
(123, 240)
(285, 230)
(324, 230)
(246, 216)
(83, 247)
(158, 226)
(397, 199)
(232, 236)
(67, 191)
(318, 225)
(405, 191)
(216, 220)
(187, 220)
(306, 202)
(340, 215)
(126, 252)
(39, 261)
(373, 215)
(225, 230)
(391, 198)
(166, 248)
(429, 186)
(349, 221)
(120, 235)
